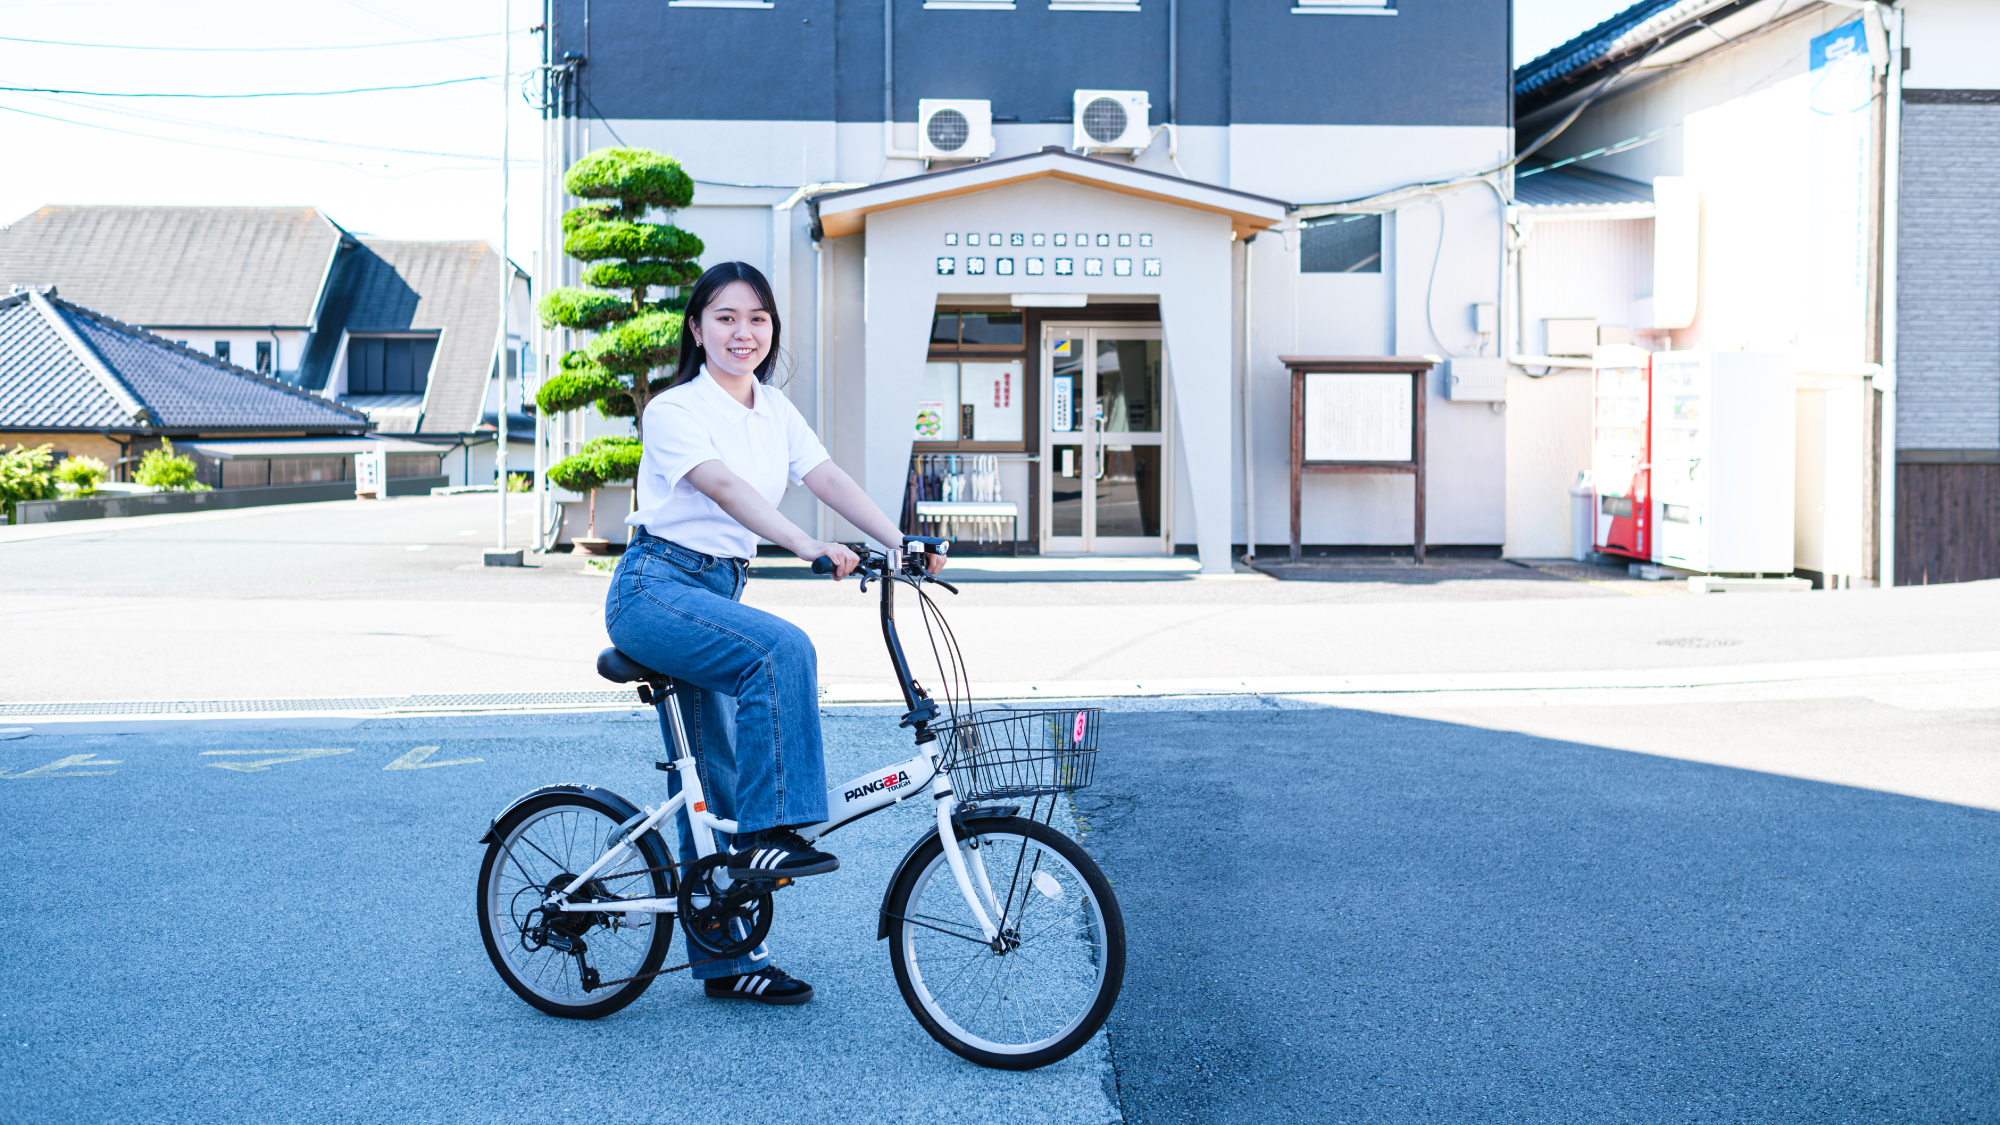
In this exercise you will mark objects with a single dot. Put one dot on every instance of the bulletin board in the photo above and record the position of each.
(1358, 414)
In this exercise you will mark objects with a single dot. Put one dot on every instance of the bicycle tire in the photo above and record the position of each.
(512, 876)
(965, 996)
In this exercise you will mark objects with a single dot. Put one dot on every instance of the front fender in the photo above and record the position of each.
(965, 816)
(625, 808)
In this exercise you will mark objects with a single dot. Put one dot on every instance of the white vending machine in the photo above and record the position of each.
(1724, 432)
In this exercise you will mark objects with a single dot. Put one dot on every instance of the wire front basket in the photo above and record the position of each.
(998, 754)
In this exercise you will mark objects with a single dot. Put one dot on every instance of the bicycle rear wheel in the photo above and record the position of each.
(1050, 987)
(562, 963)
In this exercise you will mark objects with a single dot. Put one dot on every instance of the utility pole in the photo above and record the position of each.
(500, 555)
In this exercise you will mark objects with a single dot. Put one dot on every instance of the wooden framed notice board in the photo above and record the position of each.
(1358, 414)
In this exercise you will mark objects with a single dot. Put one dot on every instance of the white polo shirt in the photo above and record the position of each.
(766, 444)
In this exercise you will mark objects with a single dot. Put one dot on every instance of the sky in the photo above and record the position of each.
(409, 163)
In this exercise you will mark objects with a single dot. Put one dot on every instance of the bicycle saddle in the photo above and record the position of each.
(622, 669)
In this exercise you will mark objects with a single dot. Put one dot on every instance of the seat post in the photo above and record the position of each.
(673, 730)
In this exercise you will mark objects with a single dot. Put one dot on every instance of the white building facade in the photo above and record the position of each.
(1255, 201)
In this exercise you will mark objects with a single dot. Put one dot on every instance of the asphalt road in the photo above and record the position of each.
(1334, 915)
(1349, 916)
(292, 938)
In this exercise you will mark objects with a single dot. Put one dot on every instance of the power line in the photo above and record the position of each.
(354, 164)
(170, 119)
(258, 50)
(278, 94)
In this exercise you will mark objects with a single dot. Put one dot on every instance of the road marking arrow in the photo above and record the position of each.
(277, 757)
(65, 763)
(414, 760)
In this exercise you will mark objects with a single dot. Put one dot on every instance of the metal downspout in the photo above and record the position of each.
(1249, 458)
(1885, 381)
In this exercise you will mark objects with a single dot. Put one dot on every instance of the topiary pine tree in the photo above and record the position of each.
(628, 260)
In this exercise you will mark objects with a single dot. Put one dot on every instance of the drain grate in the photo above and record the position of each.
(356, 703)
(1697, 642)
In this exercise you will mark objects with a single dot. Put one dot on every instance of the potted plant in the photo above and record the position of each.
(601, 461)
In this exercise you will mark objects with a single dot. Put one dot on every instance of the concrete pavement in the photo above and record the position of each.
(383, 598)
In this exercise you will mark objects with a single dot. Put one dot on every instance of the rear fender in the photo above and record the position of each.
(625, 809)
(965, 816)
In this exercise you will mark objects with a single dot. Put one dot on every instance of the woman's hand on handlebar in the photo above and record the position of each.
(934, 561)
(843, 557)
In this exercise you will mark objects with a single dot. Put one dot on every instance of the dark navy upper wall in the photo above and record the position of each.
(1437, 62)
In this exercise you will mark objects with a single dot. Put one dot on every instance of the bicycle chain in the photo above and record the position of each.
(655, 972)
(658, 972)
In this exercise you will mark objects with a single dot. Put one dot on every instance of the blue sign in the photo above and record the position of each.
(1843, 42)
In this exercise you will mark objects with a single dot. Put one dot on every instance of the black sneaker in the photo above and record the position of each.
(779, 853)
(768, 985)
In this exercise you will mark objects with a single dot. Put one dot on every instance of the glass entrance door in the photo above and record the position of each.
(1106, 471)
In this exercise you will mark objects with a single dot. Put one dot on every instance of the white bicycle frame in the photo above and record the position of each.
(868, 793)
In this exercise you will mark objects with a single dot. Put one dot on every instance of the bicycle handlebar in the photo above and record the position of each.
(875, 564)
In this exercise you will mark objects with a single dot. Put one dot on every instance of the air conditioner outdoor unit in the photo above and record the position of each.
(1111, 121)
(954, 129)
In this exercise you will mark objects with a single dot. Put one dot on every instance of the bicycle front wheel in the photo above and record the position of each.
(1048, 983)
(583, 964)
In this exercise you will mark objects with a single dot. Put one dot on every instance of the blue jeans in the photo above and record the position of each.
(748, 690)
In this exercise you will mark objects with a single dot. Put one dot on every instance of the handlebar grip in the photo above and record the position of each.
(823, 565)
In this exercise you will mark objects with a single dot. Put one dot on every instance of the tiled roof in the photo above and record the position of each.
(177, 266)
(42, 382)
(63, 366)
(1577, 187)
(1585, 49)
(449, 287)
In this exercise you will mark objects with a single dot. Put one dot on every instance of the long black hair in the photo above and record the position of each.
(706, 288)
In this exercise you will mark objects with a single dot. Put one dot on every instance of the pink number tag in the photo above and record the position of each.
(1076, 735)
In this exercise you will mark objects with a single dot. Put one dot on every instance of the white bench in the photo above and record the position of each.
(985, 516)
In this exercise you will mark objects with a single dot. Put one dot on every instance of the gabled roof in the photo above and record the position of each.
(185, 267)
(842, 213)
(64, 367)
(451, 288)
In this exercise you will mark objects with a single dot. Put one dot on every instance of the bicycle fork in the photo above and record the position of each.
(965, 873)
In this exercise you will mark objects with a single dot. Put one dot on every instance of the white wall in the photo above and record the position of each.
(1951, 44)
(1583, 268)
(1465, 442)
(243, 345)
(1548, 443)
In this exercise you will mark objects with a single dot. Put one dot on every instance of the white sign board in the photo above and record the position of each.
(1359, 418)
(371, 472)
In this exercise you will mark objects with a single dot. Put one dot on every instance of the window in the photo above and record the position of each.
(1345, 8)
(250, 472)
(263, 357)
(389, 365)
(307, 470)
(1342, 244)
(222, 350)
(403, 465)
(974, 329)
(970, 400)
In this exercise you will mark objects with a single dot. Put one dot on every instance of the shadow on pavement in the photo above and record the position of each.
(1346, 916)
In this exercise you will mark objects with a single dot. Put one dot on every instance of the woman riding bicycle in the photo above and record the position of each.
(720, 445)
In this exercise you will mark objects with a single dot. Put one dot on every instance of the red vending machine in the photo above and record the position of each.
(1621, 450)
